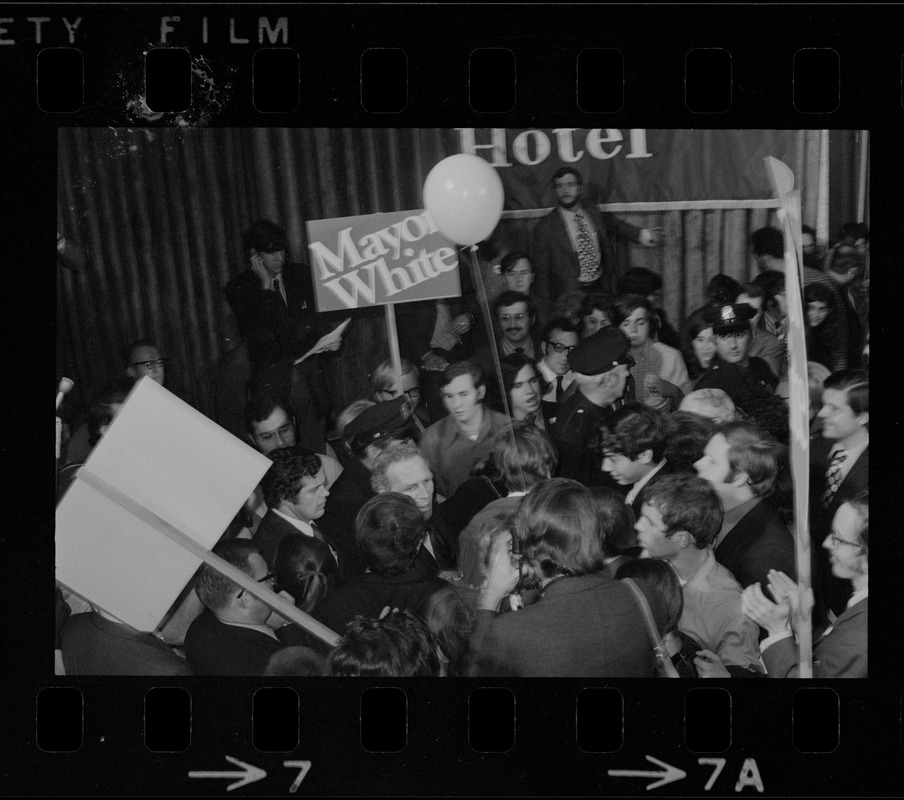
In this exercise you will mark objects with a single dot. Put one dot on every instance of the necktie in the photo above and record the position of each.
(530, 419)
(316, 531)
(559, 390)
(278, 290)
(519, 350)
(833, 476)
(587, 259)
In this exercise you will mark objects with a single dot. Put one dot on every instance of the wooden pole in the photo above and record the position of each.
(799, 402)
(392, 334)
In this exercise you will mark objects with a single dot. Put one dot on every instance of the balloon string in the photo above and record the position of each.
(477, 280)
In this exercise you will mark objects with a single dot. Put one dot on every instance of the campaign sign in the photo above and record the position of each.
(376, 259)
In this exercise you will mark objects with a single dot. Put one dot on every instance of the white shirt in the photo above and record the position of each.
(550, 377)
(305, 528)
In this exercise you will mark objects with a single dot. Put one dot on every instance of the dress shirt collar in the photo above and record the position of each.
(304, 527)
(635, 489)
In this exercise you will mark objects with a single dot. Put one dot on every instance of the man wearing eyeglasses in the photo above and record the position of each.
(232, 637)
(558, 339)
(516, 315)
(143, 358)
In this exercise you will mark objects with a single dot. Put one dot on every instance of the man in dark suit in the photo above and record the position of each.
(633, 441)
(390, 530)
(839, 470)
(573, 245)
(295, 492)
(231, 637)
(742, 462)
(558, 339)
(273, 303)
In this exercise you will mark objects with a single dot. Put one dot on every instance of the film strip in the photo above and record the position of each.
(153, 68)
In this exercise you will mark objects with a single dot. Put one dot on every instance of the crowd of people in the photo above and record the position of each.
(595, 493)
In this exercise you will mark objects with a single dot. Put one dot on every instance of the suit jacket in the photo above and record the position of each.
(93, 645)
(589, 626)
(350, 491)
(370, 593)
(830, 592)
(278, 332)
(274, 329)
(556, 266)
(271, 531)
(854, 482)
(215, 648)
(841, 652)
(759, 542)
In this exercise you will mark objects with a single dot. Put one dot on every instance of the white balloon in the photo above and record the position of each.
(465, 196)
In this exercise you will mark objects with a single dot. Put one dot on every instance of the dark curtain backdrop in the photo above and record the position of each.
(160, 214)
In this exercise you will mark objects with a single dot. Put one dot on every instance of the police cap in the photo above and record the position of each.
(730, 318)
(389, 419)
(605, 349)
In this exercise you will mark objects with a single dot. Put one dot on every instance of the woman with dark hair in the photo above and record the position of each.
(305, 569)
(698, 346)
(452, 616)
(523, 385)
(585, 623)
(659, 371)
(659, 574)
(398, 645)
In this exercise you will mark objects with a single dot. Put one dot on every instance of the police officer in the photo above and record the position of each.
(746, 379)
(366, 436)
(600, 364)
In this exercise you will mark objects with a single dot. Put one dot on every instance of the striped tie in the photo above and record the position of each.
(833, 477)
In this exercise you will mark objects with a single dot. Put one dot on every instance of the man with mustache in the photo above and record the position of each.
(574, 245)
(516, 317)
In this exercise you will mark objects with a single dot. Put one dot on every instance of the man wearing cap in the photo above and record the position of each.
(600, 364)
(746, 379)
(366, 437)
(573, 245)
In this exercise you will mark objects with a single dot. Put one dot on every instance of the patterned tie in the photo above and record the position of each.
(559, 390)
(278, 290)
(833, 477)
(590, 268)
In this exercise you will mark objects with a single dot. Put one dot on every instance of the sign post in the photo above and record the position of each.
(782, 180)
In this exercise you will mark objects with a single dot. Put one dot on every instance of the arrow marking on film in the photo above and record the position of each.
(249, 774)
(670, 775)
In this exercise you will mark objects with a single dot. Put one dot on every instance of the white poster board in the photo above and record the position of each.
(175, 465)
